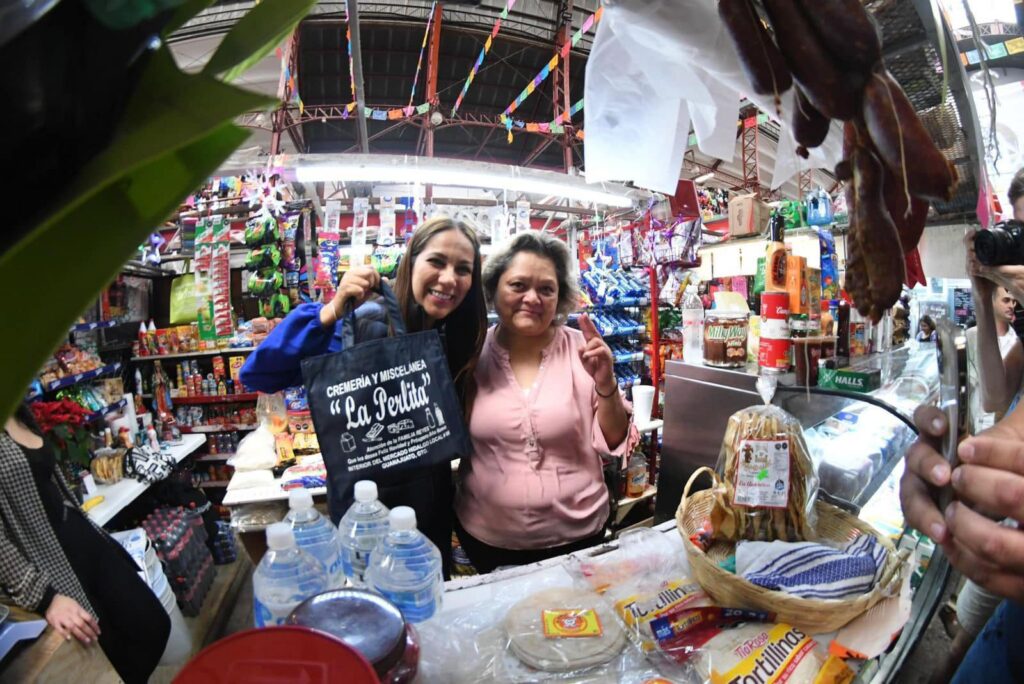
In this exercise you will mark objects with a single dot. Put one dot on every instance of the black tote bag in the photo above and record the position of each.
(384, 405)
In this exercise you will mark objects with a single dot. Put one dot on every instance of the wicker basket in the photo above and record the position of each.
(815, 616)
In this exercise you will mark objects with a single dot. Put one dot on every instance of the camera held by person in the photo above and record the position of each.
(1002, 245)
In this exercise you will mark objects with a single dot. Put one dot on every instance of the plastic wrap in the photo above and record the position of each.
(256, 516)
(475, 644)
(769, 483)
(643, 59)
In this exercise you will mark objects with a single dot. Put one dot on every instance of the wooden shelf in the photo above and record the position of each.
(213, 484)
(187, 355)
(630, 500)
(216, 399)
(207, 429)
(213, 458)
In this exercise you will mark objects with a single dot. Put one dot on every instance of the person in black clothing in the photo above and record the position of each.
(55, 561)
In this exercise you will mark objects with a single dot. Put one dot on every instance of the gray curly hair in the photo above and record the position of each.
(543, 245)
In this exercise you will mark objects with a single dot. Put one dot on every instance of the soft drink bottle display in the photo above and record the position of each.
(315, 534)
(364, 524)
(405, 568)
(693, 327)
(285, 577)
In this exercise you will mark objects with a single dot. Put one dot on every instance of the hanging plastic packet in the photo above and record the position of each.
(265, 285)
(769, 483)
(289, 258)
(268, 256)
(261, 230)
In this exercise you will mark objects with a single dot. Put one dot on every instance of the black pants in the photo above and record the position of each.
(486, 558)
(428, 491)
(133, 625)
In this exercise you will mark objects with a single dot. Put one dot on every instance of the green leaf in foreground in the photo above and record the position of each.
(184, 14)
(88, 240)
(257, 33)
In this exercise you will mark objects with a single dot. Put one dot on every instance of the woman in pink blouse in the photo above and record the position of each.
(546, 407)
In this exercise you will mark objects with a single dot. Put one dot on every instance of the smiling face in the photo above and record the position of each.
(443, 273)
(527, 296)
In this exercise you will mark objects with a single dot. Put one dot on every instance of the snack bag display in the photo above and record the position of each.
(769, 483)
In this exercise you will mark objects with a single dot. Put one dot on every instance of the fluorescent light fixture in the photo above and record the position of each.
(369, 168)
(704, 177)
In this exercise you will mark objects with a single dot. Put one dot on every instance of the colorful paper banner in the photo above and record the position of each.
(423, 47)
(483, 53)
(549, 67)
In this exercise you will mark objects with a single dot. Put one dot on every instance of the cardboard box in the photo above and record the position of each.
(814, 289)
(748, 215)
(796, 285)
(848, 379)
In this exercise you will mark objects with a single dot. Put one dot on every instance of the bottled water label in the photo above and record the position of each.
(416, 606)
(272, 614)
(353, 563)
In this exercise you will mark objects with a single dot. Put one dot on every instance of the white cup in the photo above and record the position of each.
(643, 402)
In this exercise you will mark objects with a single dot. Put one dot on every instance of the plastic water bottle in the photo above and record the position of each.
(364, 524)
(405, 568)
(285, 577)
(693, 326)
(315, 535)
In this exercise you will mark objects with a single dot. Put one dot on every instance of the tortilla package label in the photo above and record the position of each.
(571, 623)
(775, 655)
(762, 475)
(640, 610)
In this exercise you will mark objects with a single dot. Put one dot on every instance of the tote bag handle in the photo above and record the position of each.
(394, 316)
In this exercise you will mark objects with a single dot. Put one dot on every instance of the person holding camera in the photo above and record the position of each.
(989, 481)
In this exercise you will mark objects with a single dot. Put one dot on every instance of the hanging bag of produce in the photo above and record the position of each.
(384, 404)
(184, 309)
(769, 484)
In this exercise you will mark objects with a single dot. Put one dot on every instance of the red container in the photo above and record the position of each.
(773, 354)
(774, 306)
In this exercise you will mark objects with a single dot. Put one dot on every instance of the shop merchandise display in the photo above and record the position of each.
(285, 577)
(405, 568)
(362, 527)
(179, 540)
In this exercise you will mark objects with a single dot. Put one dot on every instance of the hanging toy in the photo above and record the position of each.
(151, 249)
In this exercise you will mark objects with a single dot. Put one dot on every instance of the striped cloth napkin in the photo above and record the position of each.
(813, 570)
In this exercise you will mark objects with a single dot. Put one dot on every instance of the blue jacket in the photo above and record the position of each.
(276, 363)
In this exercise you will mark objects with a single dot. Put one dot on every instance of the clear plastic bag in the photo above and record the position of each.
(475, 643)
(256, 516)
(768, 480)
(271, 412)
(255, 451)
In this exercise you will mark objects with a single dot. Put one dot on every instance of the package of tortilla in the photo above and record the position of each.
(726, 650)
(769, 483)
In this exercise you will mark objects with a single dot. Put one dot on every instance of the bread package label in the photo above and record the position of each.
(571, 623)
(762, 474)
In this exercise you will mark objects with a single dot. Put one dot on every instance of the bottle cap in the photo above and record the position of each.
(300, 500)
(280, 536)
(402, 518)
(366, 491)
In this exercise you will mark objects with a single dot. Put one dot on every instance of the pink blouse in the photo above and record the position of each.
(535, 479)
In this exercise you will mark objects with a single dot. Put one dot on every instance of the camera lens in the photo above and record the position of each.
(994, 247)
